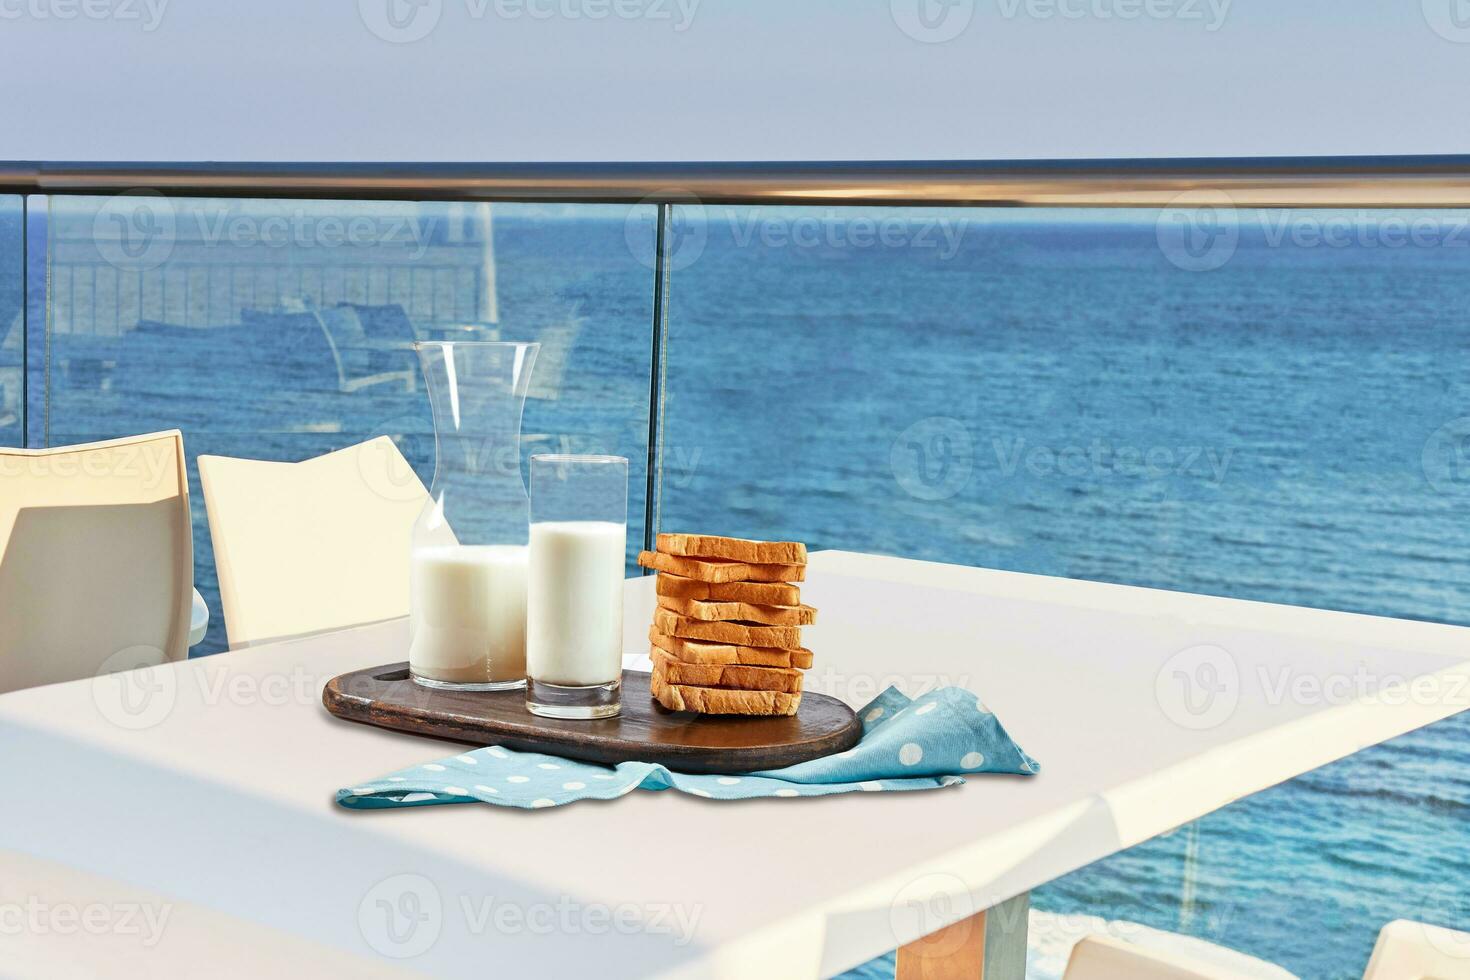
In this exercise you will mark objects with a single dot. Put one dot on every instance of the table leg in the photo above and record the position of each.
(989, 945)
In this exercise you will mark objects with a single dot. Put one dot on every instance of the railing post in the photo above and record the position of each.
(659, 334)
(25, 310)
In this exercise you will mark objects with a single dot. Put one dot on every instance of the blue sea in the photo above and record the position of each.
(1057, 394)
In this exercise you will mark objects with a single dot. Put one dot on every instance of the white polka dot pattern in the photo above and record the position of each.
(907, 744)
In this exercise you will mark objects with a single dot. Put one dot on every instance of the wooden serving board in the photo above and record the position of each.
(684, 741)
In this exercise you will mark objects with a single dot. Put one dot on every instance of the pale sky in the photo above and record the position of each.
(526, 80)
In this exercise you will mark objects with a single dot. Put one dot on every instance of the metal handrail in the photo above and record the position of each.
(1368, 181)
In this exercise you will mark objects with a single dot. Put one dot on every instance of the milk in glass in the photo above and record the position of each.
(574, 618)
(469, 613)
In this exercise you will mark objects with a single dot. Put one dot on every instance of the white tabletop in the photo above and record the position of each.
(210, 801)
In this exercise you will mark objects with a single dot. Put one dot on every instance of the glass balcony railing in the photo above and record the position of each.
(12, 321)
(284, 330)
(1267, 404)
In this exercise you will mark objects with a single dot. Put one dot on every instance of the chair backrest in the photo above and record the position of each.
(1107, 958)
(311, 546)
(290, 349)
(96, 558)
(11, 365)
(385, 321)
(1414, 951)
(551, 360)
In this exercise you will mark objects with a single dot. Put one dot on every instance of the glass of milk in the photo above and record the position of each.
(469, 558)
(574, 599)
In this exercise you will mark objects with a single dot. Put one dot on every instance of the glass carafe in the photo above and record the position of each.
(467, 604)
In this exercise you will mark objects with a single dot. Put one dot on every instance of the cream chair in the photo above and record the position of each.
(1107, 958)
(311, 546)
(96, 558)
(1415, 951)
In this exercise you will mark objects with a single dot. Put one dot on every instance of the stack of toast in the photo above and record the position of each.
(726, 634)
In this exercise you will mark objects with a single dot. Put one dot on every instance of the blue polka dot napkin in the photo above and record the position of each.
(907, 744)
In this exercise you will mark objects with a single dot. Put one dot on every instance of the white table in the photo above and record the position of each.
(210, 800)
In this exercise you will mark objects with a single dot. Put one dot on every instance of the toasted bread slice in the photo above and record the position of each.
(704, 652)
(732, 549)
(747, 612)
(741, 634)
(720, 700)
(727, 675)
(766, 593)
(716, 570)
